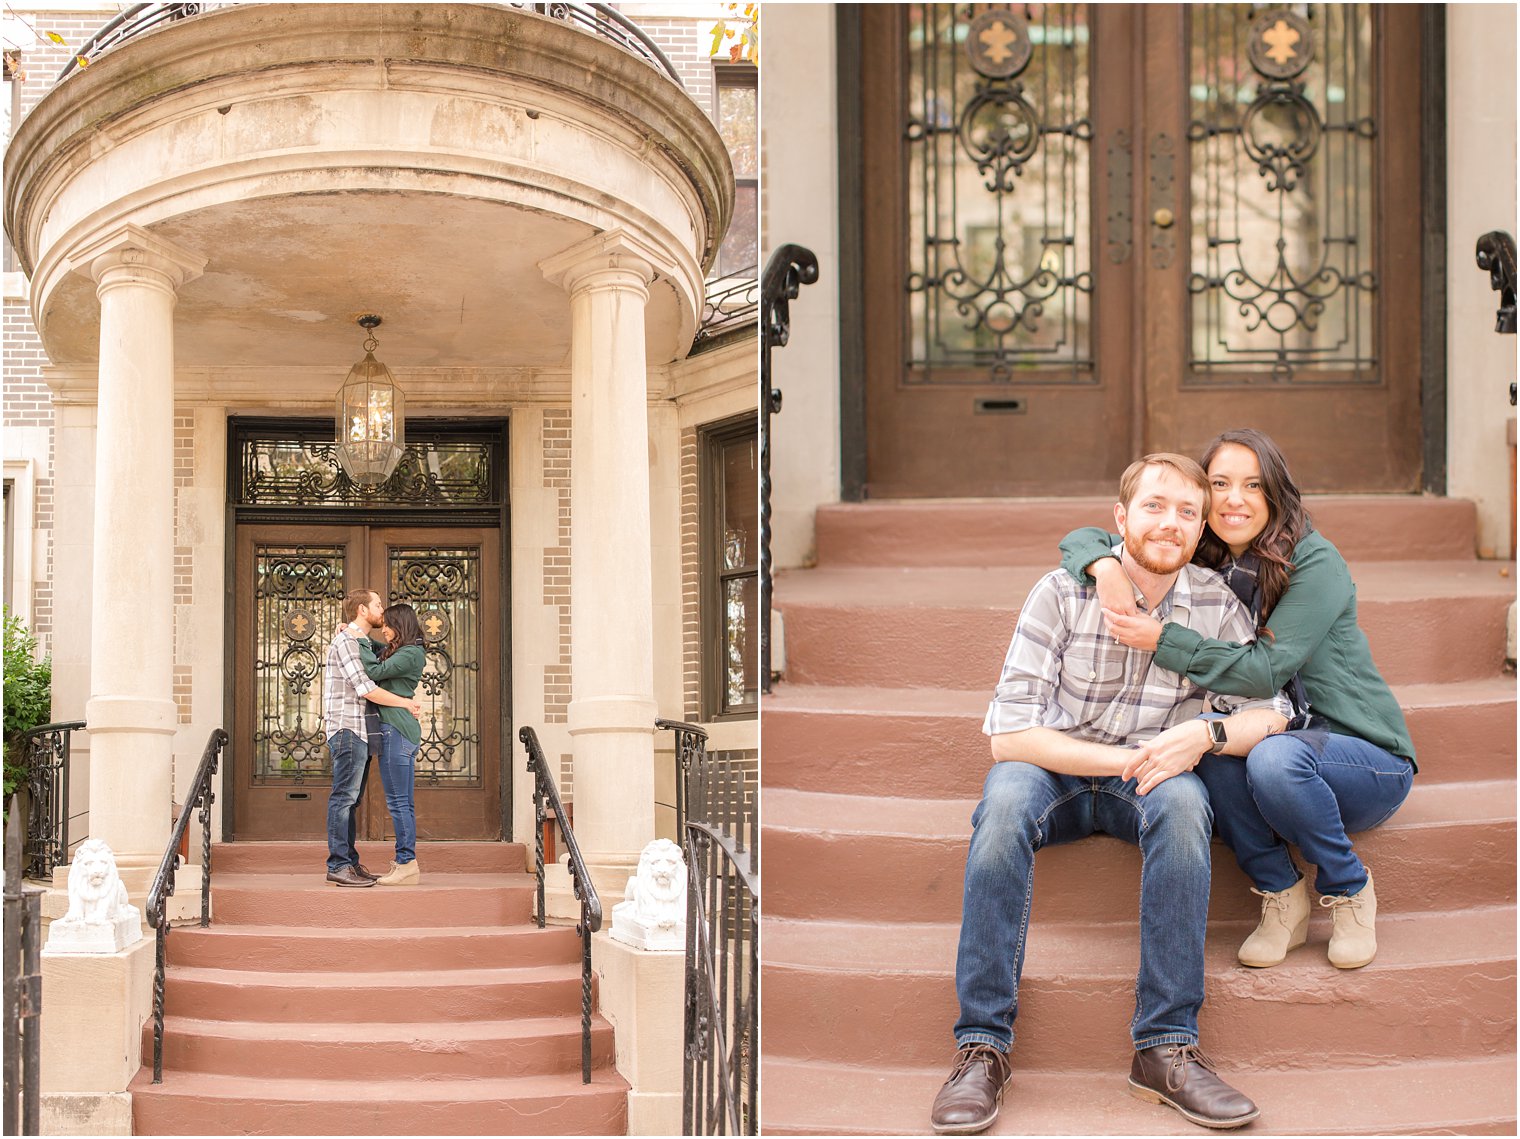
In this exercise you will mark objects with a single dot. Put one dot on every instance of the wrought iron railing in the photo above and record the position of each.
(23, 988)
(790, 267)
(46, 751)
(199, 795)
(598, 19)
(731, 302)
(718, 806)
(546, 801)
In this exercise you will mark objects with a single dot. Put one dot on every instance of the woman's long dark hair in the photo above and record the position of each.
(402, 621)
(1287, 522)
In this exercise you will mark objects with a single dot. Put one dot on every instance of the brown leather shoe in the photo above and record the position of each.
(363, 873)
(1180, 1076)
(969, 1101)
(348, 876)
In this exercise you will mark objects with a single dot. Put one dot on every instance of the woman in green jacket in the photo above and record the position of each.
(396, 664)
(1346, 762)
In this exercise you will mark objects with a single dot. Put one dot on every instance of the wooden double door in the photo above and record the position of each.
(1091, 231)
(290, 581)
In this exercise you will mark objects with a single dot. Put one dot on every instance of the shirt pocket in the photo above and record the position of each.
(1093, 675)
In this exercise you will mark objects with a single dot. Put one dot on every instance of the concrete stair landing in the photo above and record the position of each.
(874, 760)
(438, 1009)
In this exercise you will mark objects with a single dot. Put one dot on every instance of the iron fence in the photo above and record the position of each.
(23, 988)
(717, 805)
(46, 751)
(730, 302)
(546, 801)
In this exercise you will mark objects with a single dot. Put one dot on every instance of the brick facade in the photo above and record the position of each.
(556, 460)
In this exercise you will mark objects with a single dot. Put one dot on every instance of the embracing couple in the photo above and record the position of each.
(1202, 669)
(368, 700)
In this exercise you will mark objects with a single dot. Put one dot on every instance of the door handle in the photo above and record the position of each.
(1163, 218)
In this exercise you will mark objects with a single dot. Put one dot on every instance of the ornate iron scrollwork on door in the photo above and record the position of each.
(297, 603)
(1283, 164)
(998, 139)
(443, 585)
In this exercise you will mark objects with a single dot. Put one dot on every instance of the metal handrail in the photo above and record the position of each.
(598, 19)
(199, 795)
(23, 989)
(47, 749)
(691, 749)
(545, 792)
(790, 267)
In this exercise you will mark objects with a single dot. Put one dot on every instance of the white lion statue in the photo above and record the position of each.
(653, 912)
(100, 919)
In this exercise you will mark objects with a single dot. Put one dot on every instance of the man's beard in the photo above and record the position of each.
(1136, 551)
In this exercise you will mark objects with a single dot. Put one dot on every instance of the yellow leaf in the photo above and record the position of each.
(718, 29)
(54, 36)
(83, 60)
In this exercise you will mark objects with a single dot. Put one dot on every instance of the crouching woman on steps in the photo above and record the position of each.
(1346, 762)
(396, 664)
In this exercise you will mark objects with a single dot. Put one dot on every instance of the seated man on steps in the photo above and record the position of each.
(1091, 736)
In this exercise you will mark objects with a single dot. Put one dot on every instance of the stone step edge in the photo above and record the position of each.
(391, 978)
(400, 1030)
(289, 1089)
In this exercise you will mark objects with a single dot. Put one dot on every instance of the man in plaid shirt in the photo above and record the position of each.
(346, 691)
(1091, 736)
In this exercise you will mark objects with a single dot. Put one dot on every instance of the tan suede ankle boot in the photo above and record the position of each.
(1353, 936)
(401, 874)
(1284, 926)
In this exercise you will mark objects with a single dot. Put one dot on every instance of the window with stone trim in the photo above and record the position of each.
(730, 554)
(737, 113)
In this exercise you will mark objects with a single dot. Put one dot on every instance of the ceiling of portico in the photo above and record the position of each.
(455, 279)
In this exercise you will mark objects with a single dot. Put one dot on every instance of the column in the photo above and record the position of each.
(131, 711)
(612, 707)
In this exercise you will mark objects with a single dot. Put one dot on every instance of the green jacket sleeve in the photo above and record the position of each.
(1081, 548)
(407, 662)
(1319, 589)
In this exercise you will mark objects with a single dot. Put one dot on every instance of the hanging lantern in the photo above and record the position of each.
(371, 419)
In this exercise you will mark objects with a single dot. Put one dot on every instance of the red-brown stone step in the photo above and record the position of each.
(311, 857)
(1004, 532)
(1427, 622)
(930, 741)
(277, 948)
(420, 993)
(1467, 1095)
(849, 856)
(408, 1050)
(308, 899)
(884, 994)
(195, 1103)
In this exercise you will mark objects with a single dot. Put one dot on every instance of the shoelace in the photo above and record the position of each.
(976, 1052)
(1331, 901)
(1181, 1056)
(1277, 899)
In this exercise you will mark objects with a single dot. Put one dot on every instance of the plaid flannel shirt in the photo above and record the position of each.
(1064, 672)
(344, 683)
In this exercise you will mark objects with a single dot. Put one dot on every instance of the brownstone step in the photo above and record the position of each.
(851, 856)
(424, 992)
(928, 743)
(880, 993)
(293, 949)
(311, 857)
(1007, 532)
(308, 899)
(1469, 1096)
(380, 1050)
(1426, 621)
(198, 1103)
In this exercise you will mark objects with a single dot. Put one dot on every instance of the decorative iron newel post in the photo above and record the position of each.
(1496, 256)
(790, 267)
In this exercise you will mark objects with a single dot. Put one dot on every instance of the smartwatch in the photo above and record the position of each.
(1217, 738)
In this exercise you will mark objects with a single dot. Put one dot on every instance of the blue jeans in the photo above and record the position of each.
(397, 776)
(350, 772)
(1024, 808)
(1310, 788)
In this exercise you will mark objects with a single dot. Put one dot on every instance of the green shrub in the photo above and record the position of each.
(28, 696)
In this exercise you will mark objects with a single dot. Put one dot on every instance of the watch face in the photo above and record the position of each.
(1216, 733)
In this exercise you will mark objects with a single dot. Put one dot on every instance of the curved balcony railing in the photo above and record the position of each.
(732, 301)
(597, 19)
